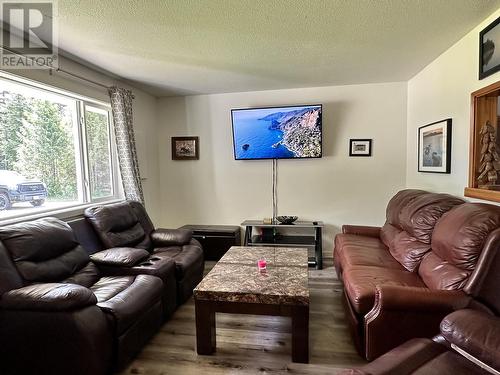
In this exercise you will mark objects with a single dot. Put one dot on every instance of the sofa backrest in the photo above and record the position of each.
(143, 217)
(118, 225)
(485, 279)
(410, 219)
(86, 235)
(458, 241)
(43, 250)
(9, 277)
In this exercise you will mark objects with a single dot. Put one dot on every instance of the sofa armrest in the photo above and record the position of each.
(399, 298)
(407, 312)
(48, 297)
(171, 237)
(475, 332)
(119, 256)
(405, 359)
(361, 230)
(76, 342)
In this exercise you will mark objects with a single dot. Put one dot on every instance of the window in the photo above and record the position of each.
(99, 152)
(56, 150)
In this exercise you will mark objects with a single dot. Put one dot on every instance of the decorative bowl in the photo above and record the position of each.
(286, 219)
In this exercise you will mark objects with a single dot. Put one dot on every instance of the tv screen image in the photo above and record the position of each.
(277, 132)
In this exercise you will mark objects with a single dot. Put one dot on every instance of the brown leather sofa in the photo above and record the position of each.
(469, 339)
(132, 245)
(60, 313)
(425, 262)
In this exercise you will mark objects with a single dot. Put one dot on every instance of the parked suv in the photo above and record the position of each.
(15, 188)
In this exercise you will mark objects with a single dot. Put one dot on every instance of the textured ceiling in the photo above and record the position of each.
(174, 47)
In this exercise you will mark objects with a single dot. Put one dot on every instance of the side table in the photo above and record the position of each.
(215, 239)
(310, 236)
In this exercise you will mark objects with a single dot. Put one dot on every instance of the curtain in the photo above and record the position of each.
(121, 105)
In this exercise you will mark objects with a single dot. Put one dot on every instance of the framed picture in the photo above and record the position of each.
(489, 49)
(434, 147)
(360, 147)
(185, 148)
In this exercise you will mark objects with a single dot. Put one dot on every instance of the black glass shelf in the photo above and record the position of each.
(283, 241)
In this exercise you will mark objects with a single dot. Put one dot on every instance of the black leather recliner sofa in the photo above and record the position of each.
(131, 241)
(84, 298)
(62, 314)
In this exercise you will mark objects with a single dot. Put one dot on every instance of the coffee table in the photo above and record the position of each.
(236, 286)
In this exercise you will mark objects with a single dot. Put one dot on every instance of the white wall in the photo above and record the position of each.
(337, 189)
(440, 91)
(145, 120)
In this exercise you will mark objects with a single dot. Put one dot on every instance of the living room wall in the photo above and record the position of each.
(442, 90)
(336, 189)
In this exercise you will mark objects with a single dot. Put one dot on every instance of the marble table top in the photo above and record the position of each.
(236, 278)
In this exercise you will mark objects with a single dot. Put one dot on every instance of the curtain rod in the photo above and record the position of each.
(60, 70)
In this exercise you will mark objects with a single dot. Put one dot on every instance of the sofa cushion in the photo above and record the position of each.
(119, 256)
(44, 250)
(419, 216)
(48, 297)
(408, 251)
(116, 224)
(360, 284)
(143, 217)
(352, 250)
(38, 240)
(187, 258)
(457, 242)
(439, 274)
(476, 333)
(86, 277)
(460, 235)
(126, 298)
(171, 237)
(388, 233)
(398, 202)
(408, 234)
(9, 276)
(55, 269)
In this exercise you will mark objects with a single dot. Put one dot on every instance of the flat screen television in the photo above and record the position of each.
(277, 132)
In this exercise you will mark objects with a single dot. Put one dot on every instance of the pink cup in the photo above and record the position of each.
(262, 264)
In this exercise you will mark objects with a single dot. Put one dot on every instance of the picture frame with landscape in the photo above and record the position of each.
(489, 49)
(185, 148)
(360, 147)
(434, 147)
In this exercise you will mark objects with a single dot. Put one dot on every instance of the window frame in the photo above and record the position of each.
(114, 168)
(81, 154)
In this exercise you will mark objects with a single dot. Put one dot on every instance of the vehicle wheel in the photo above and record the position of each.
(4, 201)
(38, 202)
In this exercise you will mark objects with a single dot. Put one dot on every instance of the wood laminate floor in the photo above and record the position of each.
(248, 344)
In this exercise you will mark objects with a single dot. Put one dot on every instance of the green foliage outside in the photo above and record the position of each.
(98, 151)
(36, 140)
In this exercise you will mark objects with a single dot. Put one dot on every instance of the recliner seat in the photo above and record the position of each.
(61, 311)
(126, 228)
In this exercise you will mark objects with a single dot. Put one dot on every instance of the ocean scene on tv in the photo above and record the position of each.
(277, 133)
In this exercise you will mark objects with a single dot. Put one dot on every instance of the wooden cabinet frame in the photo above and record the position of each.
(473, 190)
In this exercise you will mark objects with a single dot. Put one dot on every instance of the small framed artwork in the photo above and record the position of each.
(185, 148)
(360, 147)
(434, 147)
(489, 49)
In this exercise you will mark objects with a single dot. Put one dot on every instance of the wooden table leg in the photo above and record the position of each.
(300, 334)
(205, 327)
(318, 249)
